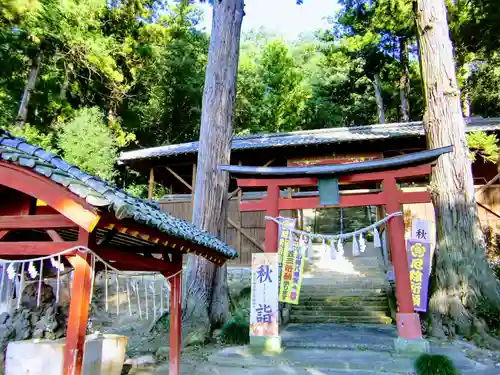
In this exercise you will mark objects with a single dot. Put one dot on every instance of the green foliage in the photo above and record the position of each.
(87, 142)
(484, 145)
(433, 364)
(490, 314)
(34, 136)
(236, 333)
(237, 330)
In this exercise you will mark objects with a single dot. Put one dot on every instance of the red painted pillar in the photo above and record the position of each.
(175, 324)
(408, 322)
(78, 314)
(272, 204)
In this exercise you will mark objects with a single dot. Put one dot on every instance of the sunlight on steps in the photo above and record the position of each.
(343, 290)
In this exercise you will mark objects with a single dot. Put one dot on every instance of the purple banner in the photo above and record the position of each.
(419, 259)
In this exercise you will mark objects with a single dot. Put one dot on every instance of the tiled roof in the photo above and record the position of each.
(103, 195)
(309, 137)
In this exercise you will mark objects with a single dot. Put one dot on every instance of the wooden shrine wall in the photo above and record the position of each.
(252, 223)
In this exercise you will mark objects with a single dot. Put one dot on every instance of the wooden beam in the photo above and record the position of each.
(151, 185)
(3, 233)
(193, 184)
(238, 189)
(78, 314)
(20, 222)
(412, 197)
(180, 178)
(353, 200)
(34, 248)
(244, 233)
(56, 196)
(193, 177)
(106, 238)
(54, 236)
(285, 181)
(489, 183)
(489, 209)
(175, 324)
(160, 239)
(136, 261)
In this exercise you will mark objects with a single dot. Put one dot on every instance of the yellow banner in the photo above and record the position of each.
(292, 268)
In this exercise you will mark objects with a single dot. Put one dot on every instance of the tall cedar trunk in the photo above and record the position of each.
(379, 100)
(461, 274)
(207, 302)
(22, 114)
(404, 84)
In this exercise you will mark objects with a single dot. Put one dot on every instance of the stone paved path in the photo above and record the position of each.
(327, 349)
(342, 336)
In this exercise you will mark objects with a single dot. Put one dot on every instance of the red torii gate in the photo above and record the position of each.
(48, 205)
(387, 172)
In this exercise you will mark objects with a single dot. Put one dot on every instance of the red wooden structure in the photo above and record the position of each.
(389, 196)
(40, 215)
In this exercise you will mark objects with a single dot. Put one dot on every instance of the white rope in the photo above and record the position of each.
(135, 286)
(161, 297)
(146, 297)
(39, 295)
(21, 286)
(2, 281)
(128, 300)
(117, 296)
(58, 277)
(76, 248)
(343, 235)
(92, 281)
(106, 285)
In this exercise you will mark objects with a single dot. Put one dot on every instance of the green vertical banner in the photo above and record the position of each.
(292, 269)
(284, 230)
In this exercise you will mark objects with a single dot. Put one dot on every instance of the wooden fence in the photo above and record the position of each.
(245, 230)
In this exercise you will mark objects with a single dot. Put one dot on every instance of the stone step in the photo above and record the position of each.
(329, 308)
(339, 311)
(342, 284)
(340, 276)
(340, 292)
(343, 301)
(366, 319)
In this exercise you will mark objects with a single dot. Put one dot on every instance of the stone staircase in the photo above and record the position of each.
(350, 290)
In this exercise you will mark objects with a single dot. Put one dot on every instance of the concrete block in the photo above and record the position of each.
(405, 346)
(104, 354)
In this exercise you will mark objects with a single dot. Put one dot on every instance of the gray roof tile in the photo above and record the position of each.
(103, 195)
(308, 138)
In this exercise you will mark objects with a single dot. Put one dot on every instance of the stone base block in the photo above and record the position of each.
(265, 344)
(405, 346)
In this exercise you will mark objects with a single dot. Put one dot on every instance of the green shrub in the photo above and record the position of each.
(236, 333)
(432, 364)
(241, 306)
(489, 314)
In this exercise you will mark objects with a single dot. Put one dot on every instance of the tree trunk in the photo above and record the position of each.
(379, 99)
(404, 84)
(461, 275)
(207, 302)
(22, 114)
